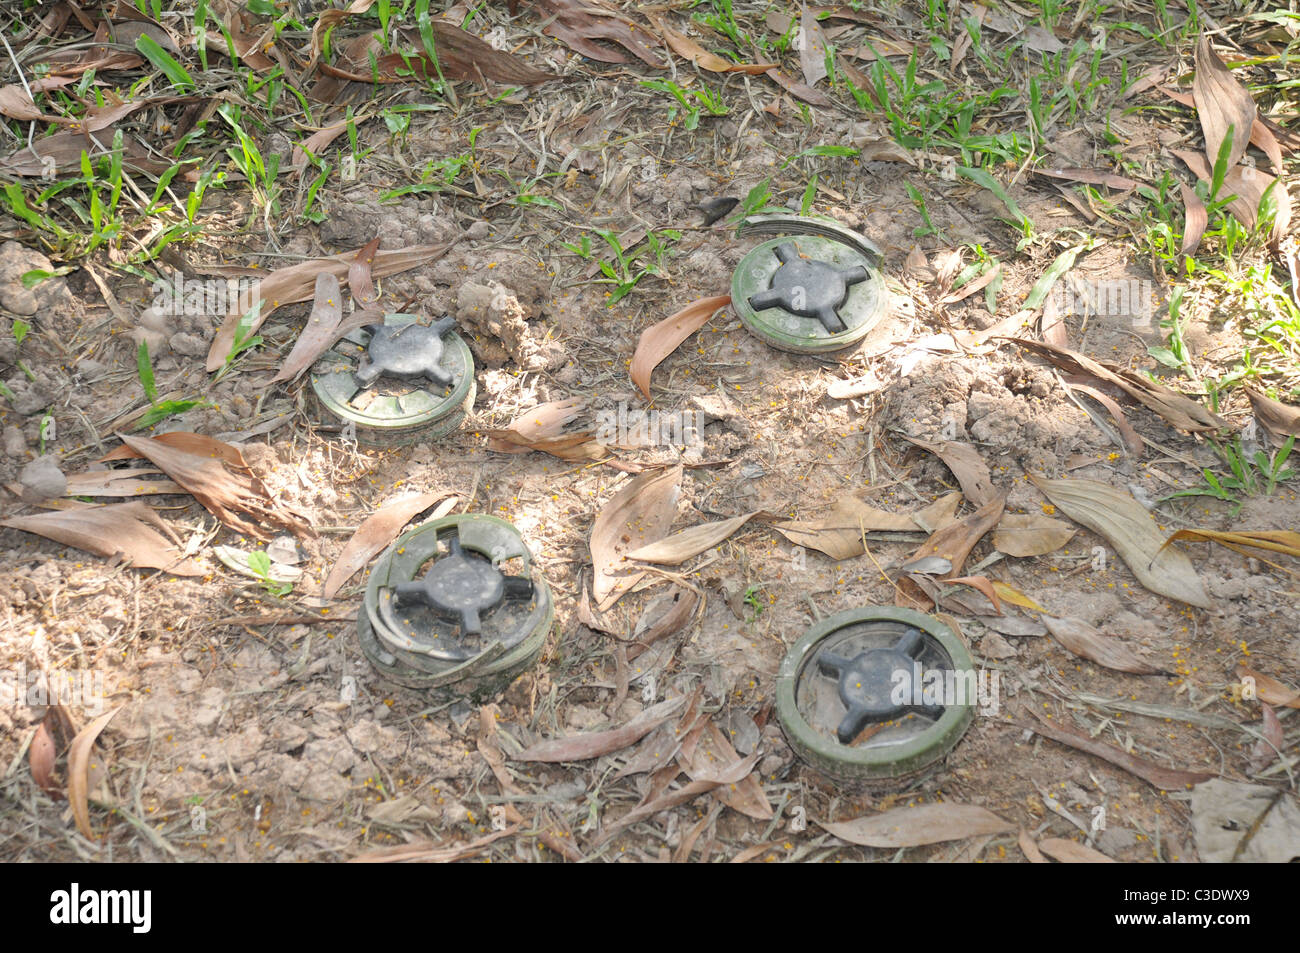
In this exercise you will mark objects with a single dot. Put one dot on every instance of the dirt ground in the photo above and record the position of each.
(234, 742)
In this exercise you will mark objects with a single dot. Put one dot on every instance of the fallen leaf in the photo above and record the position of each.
(324, 327)
(127, 529)
(638, 514)
(1081, 639)
(1279, 419)
(813, 97)
(839, 533)
(1091, 177)
(1270, 690)
(1235, 822)
(578, 23)
(1030, 849)
(1029, 534)
(1131, 439)
(588, 745)
(1196, 218)
(972, 286)
(841, 389)
(1221, 102)
(883, 150)
(1165, 779)
(1247, 185)
(1178, 409)
(119, 483)
(426, 852)
(659, 340)
(682, 546)
(917, 266)
(196, 443)
(378, 530)
(40, 758)
(359, 283)
(954, 543)
(79, 770)
(980, 583)
(966, 465)
(689, 50)
(704, 754)
(298, 283)
(461, 55)
(917, 826)
(812, 48)
(1282, 541)
(1123, 522)
(16, 104)
(315, 144)
(1268, 750)
(544, 428)
(224, 489)
(664, 615)
(1069, 852)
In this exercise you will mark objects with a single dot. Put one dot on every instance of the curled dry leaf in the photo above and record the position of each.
(1124, 523)
(315, 144)
(359, 283)
(917, 826)
(813, 97)
(638, 514)
(1282, 541)
(664, 615)
(584, 747)
(980, 583)
(812, 48)
(689, 50)
(461, 55)
(659, 340)
(1029, 534)
(954, 543)
(1165, 779)
(1069, 852)
(1279, 419)
(225, 489)
(1221, 103)
(839, 533)
(1267, 750)
(1269, 689)
(544, 428)
(126, 529)
(680, 547)
(324, 327)
(380, 529)
(1030, 849)
(298, 283)
(1195, 220)
(40, 758)
(1178, 409)
(966, 465)
(1090, 177)
(706, 752)
(1247, 185)
(79, 755)
(1131, 438)
(972, 286)
(1081, 639)
(578, 23)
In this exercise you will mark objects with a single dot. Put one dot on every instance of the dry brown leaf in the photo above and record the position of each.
(1125, 524)
(1028, 534)
(79, 770)
(1030, 849)
(638, 514)
(1247, 185)
(577, 23)
(972, 286)
(1068, 852)
(128, 529)
(1195, 220)
(917, 826)
(706, 752)
(1165, 779)
(119, 483)
(16, 104)
(584, 747)
(1279, 419)
(324, 327)
(966, 465)
(917, 266)
(657, 623)
(1178, 409)
(461, 56)
(543, 428)
(659, 340)
(812, 48)
(961, 46)
(1132, 439)
(839, 533)
(680, 547)
(224, 489)
(1267, 750)
(359, 283)
(315, 144)
(1016, 597)
(813, 97)
(883, 150)
(1221, 102)
(689, 50)
(298, 283)
(981, 583)
(426, 852)
(380, 529)
(1286, 542)
(197, 443)
(1270, 690)
(40, 758)
(1081, 639)
(953, 543)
